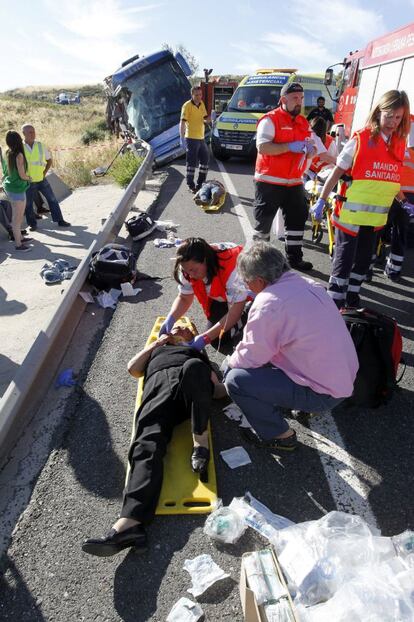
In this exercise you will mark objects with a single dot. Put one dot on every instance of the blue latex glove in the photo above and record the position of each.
(65, 379)
(317, 209)
(409, 208)
(297, 146)
(198, 343)
(183, 142)
(167, 325)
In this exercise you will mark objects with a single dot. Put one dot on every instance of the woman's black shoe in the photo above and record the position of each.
(115, 541)
(199, 462)
(289, 443)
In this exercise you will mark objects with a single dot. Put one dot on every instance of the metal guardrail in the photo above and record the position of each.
(24, 394)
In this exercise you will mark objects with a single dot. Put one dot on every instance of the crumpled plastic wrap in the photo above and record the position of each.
(204, 572)
(318, 557)
(233, 412)
(224, 525)
(376, 595)
(259, 517)
(185, 610)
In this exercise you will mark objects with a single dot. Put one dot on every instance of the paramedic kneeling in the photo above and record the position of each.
(296, 351)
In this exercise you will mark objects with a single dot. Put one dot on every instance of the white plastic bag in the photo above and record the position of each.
(185, 610)
(278, 225)
(204, 572)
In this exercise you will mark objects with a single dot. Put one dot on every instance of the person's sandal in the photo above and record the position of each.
(200, 458)
(23, 248)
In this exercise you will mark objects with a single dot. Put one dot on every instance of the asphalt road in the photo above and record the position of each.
(360, 461)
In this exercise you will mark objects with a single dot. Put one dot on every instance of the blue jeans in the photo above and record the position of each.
(263, 392)
(45, 188)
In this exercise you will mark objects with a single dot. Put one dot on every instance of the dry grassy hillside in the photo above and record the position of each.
(62, 128)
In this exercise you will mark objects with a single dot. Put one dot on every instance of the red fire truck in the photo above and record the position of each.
(386, 63)
(217, 92)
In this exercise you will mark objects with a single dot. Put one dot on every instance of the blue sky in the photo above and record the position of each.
(50, 42)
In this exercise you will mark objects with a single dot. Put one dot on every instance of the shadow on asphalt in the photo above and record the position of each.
(138, 578)
(17, 603)
(10, 307)
(97, 467)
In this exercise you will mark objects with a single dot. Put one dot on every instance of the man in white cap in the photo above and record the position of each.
(284, 142)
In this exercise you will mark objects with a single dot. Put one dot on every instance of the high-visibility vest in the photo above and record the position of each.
(407, 172)
(36, 160)
(287, 168)
(375, 175)
(317, 164)
(227, 263)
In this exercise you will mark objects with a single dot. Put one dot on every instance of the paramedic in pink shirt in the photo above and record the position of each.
(296, 351)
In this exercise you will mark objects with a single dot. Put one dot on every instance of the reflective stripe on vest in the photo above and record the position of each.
(36, 161)
(348, 228)
(368, 202)
(269, 179)
(286, 168)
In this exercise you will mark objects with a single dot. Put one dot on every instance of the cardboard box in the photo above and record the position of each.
(251, 610)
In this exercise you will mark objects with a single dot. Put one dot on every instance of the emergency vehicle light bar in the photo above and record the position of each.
(275, 70)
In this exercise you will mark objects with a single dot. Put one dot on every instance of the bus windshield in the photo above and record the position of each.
(254, 99)
(155, 96)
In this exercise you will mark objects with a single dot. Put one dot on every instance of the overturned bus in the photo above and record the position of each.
(146, 93)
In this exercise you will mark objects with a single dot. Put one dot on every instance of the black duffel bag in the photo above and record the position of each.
(112, 265)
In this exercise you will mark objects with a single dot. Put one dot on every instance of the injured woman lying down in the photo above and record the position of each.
(179, 384)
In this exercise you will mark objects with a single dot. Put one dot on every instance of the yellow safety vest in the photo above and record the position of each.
(375, 173)
(36, 161)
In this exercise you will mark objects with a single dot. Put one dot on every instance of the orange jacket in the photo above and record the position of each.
(227, 263)
(285, 169)
(407, 173)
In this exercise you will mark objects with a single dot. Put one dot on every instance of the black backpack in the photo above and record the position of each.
(6, 215)
(140, 225)
(378, 343)
(112, 265)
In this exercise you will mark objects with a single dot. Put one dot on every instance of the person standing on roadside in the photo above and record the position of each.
(15, 183)
(284, 143)
(369, 168)
(39, 162)
(321, 112)
(192, 129)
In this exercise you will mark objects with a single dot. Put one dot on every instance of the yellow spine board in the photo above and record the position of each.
(182, 491)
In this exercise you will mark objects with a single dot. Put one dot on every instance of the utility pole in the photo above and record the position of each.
(207, 73)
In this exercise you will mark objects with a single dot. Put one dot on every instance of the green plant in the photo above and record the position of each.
(124, 168)
(92, 135)
(101, 125)
(77, 173)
